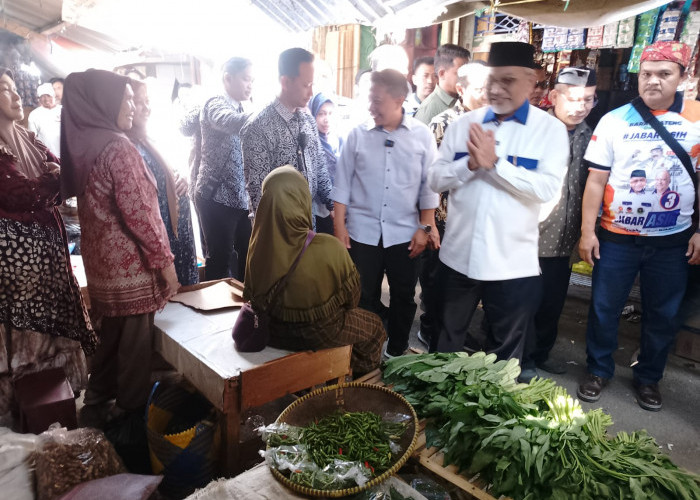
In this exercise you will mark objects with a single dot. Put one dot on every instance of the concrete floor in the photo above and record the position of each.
(676, 427)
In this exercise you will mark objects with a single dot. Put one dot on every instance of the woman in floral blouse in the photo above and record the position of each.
(125, 246)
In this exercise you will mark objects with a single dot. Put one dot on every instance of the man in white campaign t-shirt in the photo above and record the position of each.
(646, 225)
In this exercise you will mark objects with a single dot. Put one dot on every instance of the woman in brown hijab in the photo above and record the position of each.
(317, 308)
(43, 320)
(124, 244)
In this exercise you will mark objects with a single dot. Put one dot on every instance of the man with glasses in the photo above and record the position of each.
(499, 164)
(573, 97)
(540, 89)
(655, 239)
(470, 86)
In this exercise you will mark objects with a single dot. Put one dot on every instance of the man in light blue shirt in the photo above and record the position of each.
(384, 208)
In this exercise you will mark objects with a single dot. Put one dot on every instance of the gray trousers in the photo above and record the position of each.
(121, 366)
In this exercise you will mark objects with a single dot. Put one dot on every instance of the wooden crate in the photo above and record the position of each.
(433, 460)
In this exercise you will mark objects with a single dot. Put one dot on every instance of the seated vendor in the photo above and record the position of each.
(317, 308)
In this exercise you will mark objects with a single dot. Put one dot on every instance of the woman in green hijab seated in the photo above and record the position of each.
(317, 308)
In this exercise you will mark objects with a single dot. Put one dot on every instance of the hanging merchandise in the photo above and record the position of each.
(557, 39)
(523, 32)
(668, 26)
(549, 40)
(561, 38)
(594, 40)
(691, 29)
(592, 59)
(576, 39)
(625, 33)
(645, 35)
(610, 34)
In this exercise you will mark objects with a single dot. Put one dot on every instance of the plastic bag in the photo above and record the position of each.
(337, 475)
(119, 487)
(65, 459)
(391, 489)
(16, 471)
(279, 434)
(286, 452)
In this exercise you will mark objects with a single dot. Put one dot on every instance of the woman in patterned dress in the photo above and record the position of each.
(43, 319)
(172, 191)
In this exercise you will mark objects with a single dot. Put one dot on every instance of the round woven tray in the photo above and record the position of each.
(351, 398)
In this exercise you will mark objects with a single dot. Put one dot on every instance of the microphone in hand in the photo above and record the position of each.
(302, 140)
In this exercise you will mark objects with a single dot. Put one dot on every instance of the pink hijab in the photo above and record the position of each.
(91, 103)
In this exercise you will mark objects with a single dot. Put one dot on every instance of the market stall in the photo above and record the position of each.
(199, 345)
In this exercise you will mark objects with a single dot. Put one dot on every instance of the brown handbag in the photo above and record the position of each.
(252, 328)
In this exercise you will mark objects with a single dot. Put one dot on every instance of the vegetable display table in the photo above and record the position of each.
(199, 345)
(432, 458)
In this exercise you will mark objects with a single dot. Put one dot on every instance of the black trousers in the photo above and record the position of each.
(555, 284)
(509, 307)
(324, 224)
(372, 263)
(429, 265)
(227, 234)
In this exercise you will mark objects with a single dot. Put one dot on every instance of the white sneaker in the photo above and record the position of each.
(386, 354)
(422, 339)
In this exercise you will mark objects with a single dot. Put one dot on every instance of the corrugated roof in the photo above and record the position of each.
(303, 15)
(42, 20)
(574, 14)
(33, 15)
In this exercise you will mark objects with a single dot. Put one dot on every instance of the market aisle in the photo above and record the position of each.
(675, 427)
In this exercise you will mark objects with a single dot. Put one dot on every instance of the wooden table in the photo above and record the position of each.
(199, 345)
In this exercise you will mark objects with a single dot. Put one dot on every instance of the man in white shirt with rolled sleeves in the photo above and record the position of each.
(499, 164)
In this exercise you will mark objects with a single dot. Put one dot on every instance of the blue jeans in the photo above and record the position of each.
(663, 275)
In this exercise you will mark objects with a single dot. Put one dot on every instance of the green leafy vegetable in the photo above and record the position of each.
(531, 441)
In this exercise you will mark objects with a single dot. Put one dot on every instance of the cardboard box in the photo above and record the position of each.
(688, 345)
(44, 398)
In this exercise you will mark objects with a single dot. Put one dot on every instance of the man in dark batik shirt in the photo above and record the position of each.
(285, 133)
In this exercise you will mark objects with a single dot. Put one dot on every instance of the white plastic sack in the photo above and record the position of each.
(16, 473)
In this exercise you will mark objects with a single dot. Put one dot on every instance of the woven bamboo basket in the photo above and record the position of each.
(353, 397)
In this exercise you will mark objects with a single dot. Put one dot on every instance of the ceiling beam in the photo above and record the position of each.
(17, 28)
(53, 28)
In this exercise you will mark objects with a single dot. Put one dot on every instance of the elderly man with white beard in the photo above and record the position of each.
(499, 164)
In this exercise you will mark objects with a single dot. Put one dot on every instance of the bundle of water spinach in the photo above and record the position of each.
(530, 441)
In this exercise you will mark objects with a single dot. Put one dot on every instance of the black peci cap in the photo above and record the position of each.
(511, 54)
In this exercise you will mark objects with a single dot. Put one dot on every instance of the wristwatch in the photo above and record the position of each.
(426, 228)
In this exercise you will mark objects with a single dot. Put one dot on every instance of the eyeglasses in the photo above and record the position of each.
(573, 76)
(589, 102)
(542, 84)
